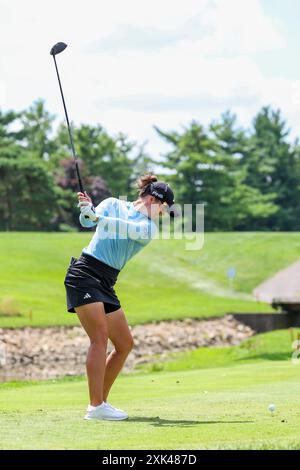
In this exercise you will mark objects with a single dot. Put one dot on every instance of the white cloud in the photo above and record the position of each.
(238, 27)
(192, 60)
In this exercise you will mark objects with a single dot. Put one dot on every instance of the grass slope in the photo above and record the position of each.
(273, 346)
(164, 281)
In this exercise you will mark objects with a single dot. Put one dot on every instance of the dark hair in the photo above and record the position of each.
(143, 184)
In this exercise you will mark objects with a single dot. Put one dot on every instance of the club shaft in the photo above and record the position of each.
(69, 128)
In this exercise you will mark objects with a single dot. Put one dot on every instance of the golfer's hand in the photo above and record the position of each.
(86, 206)
(88, 211)
(84, 198)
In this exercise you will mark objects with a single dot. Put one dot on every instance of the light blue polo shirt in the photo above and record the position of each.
(121, 232)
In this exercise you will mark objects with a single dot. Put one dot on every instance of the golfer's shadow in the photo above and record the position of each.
(158, 422)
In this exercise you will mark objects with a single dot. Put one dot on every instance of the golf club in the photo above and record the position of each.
(57, 49)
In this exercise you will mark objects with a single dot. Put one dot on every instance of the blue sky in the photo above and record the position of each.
(134, 64)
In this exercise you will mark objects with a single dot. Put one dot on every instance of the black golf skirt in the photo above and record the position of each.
(88, 280)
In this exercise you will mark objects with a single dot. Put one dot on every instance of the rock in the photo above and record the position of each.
(54, 352)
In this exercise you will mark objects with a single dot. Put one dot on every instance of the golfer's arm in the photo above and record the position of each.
(132, 229)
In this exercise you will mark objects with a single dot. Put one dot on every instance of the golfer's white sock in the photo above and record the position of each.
(91, 407)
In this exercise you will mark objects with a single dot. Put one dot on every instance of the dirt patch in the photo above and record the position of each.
(43, 353)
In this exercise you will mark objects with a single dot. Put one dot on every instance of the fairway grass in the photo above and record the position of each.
(164, 281)
(219, 408)
(209, 398)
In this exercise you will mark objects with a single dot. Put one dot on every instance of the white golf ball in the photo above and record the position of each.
(272, 408)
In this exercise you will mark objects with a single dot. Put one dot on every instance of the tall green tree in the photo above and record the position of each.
(27, 195)
(9, 136)
(115, 159)
(272, 165)
(231, 139)
(68, 187)
(106, 156)
(37, 128)
(242, 202)
(208, 171)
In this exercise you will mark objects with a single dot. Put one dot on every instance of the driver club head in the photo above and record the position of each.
(58, 48)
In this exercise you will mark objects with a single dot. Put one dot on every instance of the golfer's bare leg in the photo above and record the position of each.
(120, 335)
(92, 318)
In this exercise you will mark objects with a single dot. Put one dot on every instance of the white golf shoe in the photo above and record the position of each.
(113, 408)
(105, 412)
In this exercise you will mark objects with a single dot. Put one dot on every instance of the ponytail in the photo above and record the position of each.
(144, 182)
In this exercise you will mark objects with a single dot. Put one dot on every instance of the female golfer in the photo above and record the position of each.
(123, 229)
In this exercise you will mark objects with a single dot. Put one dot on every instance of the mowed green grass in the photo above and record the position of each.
(217, 408)
(164, 281)
(210, 398)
